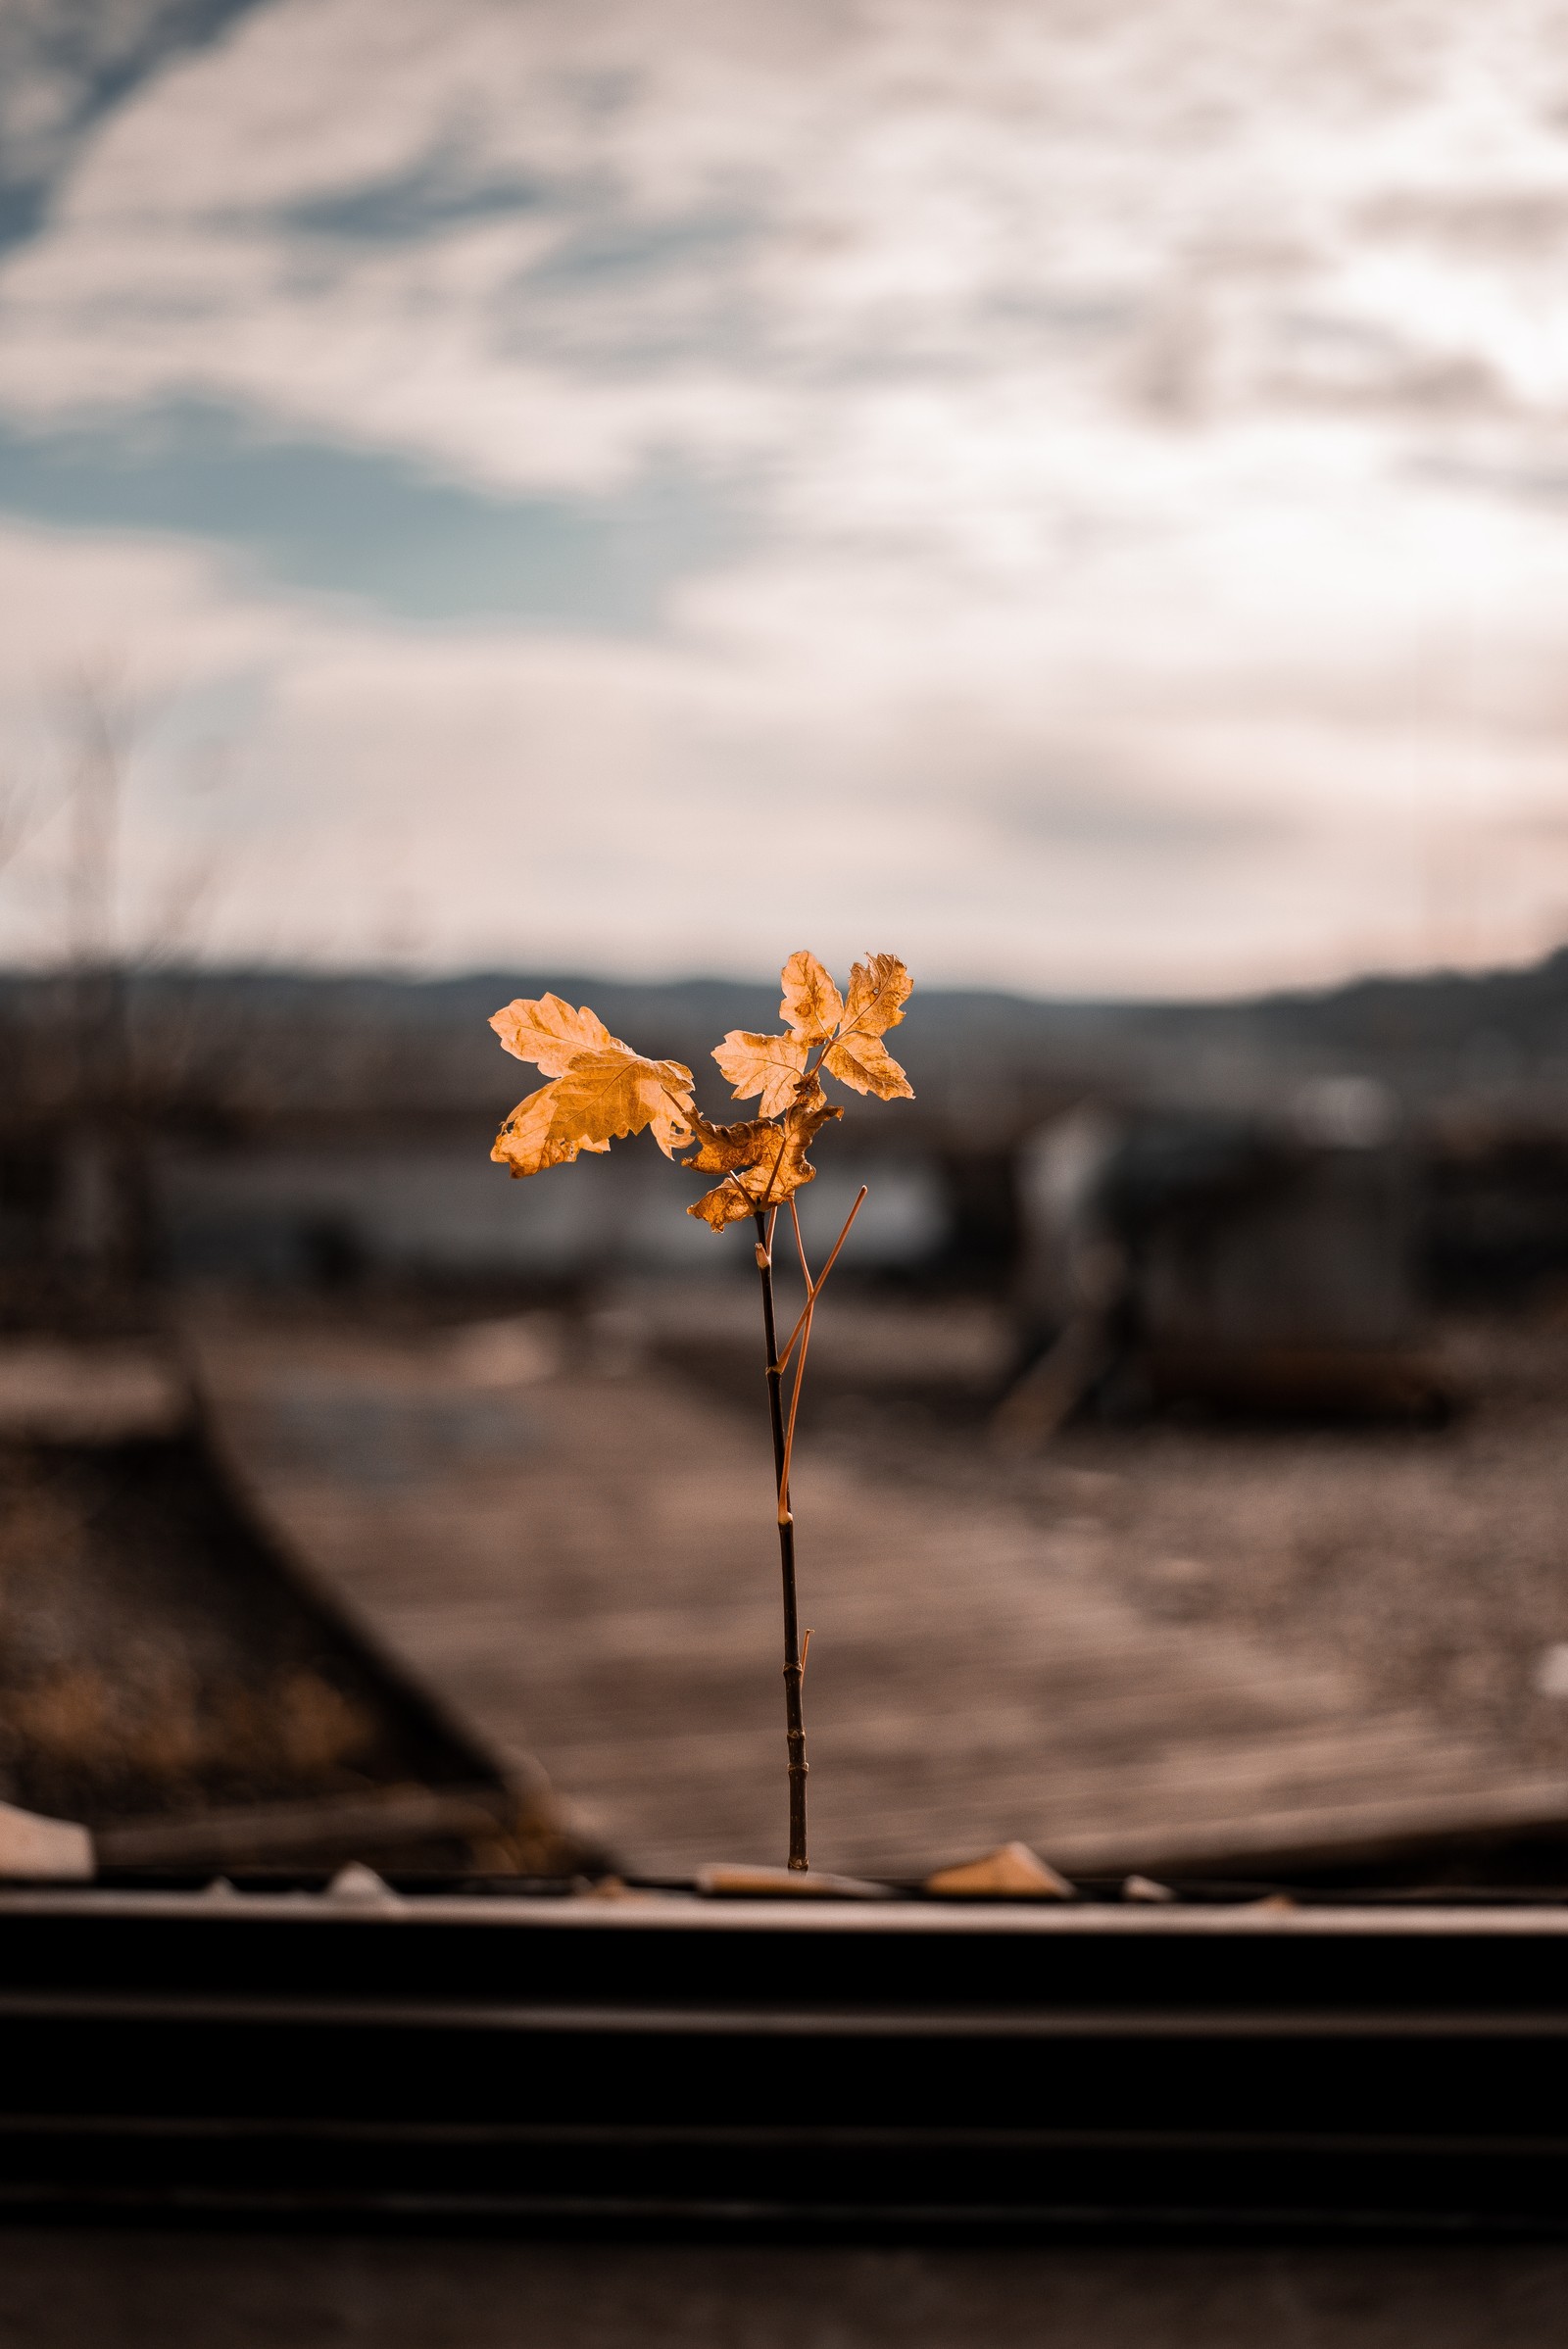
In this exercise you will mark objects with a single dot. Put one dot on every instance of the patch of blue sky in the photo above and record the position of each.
(632, 297)
(611, 248)
(374, 529)
(415, 204)
(602, 235)
(65, 64)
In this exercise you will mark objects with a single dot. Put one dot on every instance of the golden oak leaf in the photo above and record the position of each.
(878, 991)
(546, 1030)
(763, 1168)
(879, 988)
(615, 1092)
(525, 1145)
(598, 1089)
(771, 1065)
(865, 1063)
(813, 1005)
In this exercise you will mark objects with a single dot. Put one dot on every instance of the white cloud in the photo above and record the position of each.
(1125, 412)
(665, 806)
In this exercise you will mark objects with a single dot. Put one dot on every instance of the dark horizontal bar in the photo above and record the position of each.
(897, 2023)
(668, 2218)
(679, 2137)
(550, 2062)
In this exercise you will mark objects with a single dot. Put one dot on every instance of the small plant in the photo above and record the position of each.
(599, 1090)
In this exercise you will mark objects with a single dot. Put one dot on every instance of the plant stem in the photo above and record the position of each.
(794, 1674)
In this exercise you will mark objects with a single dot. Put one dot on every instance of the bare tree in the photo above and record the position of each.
(108, 1204)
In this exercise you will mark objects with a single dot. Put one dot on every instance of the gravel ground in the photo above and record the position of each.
(157, 1656)
(1435, 1562)
(161, 2291)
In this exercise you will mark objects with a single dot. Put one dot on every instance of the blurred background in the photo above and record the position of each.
(497, 497)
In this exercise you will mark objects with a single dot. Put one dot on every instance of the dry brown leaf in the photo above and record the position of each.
(606, 1094)
(813, 1005)
(771, 1065)
(1011, 1872)
(546, 1030)
(767, 1167)
(719, 1148)
(864, 1064)
(525, 1144)
(599, 1088)
(724, 1204)
(879, 988)
(747, 1189)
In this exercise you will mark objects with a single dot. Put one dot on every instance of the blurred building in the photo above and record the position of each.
(325, 1130)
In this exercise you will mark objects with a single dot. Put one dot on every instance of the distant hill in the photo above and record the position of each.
(266, 1045)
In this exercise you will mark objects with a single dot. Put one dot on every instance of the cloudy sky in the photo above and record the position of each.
(1076, 494)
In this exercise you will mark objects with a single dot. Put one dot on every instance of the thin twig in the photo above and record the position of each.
(817, 1286)
(795, 1405)
(800, 1248)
